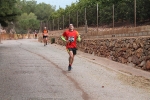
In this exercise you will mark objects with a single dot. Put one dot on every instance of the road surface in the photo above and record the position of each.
(30, 71)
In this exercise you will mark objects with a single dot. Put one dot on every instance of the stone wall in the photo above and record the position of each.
(133, 51)
(119, 32)
(127, 45)
(6, 36)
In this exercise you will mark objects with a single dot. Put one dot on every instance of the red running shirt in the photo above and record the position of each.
(45, 32)
(72, 37)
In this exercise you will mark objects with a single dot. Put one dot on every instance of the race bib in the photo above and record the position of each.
(71, 39)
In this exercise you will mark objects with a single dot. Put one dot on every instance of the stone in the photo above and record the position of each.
(147, 58)
(112, 43)
(124, 48)
(147, 65)
(141, 45)
(132, 51)
(132, 40)
(146, 52)
(124, 61)
(135, 46)
(129, 59)
(144, 68)
(135, 60)
(142, 64)
(139, 52)
(127, 45)
(131, 64)
(147, 46)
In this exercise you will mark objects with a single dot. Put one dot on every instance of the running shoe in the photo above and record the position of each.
(69, 68)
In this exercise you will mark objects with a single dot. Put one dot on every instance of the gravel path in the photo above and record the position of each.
(30, 71)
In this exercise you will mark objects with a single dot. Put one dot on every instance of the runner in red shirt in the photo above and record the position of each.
(35, 34)
(71, 36)
(45, 35)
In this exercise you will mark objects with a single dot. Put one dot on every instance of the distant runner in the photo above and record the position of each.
(71, 36)
(45, 35)
(35, 34)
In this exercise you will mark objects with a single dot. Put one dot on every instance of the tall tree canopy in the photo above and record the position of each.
(27, 22)
(43, 11)
(8, 11)
(124, 11)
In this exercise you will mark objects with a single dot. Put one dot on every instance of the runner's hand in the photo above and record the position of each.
(67, 41)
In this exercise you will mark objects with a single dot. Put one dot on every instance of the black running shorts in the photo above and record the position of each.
(45, 37)
(74, 50)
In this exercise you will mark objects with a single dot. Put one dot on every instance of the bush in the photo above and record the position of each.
(52, 40)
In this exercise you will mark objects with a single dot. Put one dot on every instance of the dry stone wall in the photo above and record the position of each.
(134, 51)
(7, 36)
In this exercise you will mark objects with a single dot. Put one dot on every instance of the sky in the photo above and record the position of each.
(57, 3)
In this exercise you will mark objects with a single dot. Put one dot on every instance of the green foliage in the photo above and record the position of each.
(43, 11)
(28, 22)
(124, 11)
(28, 6)
(32, 13)
(8, 11)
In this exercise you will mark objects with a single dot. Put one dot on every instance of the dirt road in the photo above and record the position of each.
(30, 71)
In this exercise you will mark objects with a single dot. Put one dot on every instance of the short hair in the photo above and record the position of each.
(71, 24)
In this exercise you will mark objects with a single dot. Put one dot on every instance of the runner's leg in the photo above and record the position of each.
(71, 59)
(46, 40)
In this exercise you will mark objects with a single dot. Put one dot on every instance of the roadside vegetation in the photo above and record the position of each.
(26, 16)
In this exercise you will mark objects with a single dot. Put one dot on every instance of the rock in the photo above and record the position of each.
(129, 59)
(112, 43)
(142, 64)
(124, 61)
(139, 52)
(131, 64)
(147, 58)
(149, 52)
(132, 40)
(144, 68)
(146, 52)
(133, 51)
(135, 46)
(147, 46)
(117, 45)
(128, 45)
(135, 60)
(147, 65)
(124, 49)
(141, 45)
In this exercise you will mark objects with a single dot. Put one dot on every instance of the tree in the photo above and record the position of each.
(8, 11)
(43, 11)
(27, 22)
(28, 6)
(124, 11)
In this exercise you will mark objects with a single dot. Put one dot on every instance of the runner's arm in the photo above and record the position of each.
(79, 38)
(63, 38)
(43, 32)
